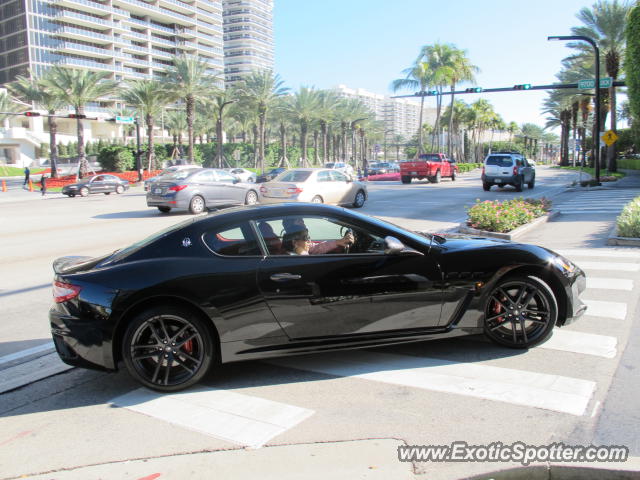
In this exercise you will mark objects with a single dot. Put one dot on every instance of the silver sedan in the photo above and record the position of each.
(196, 190)
(316, 185)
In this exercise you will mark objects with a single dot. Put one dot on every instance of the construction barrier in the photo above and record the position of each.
(30, 186)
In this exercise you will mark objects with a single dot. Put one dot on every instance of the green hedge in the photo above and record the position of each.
(467, 167)
(116, 158)
(632, 61)
(629, 220)
(629, 163)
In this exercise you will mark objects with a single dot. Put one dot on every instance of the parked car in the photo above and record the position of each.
(316, 185)
(270, 175)
(243, 174)
(217, 289)
(341, 167)
(97, 184)
(507, 169)
(197, 189)
(381, 168)
(174, 168)
(432, 166)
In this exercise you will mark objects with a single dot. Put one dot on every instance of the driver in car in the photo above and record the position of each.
(298, 242)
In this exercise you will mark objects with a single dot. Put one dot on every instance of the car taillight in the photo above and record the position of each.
(482, 170)
(64, 291)
(515, 170)
(177, 188)
(293, 190)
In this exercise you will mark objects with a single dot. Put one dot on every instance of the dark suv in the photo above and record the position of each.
(507, 169)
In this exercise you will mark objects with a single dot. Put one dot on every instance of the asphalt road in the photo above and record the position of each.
(418, 394)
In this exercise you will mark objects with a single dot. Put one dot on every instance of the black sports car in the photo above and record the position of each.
(224, 287)
(96, 184)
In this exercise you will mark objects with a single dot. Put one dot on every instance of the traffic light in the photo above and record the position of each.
(31, 114)
(473, 90)
(524, 86)
(76, 115)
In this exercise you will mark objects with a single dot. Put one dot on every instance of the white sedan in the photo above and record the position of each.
(316, 185)
(246, 176)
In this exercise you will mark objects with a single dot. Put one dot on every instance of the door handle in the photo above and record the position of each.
(284, 277)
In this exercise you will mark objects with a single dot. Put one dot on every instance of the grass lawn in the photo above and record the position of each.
(592, 171)
(16, 171)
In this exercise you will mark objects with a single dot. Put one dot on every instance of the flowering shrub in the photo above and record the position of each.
(505, 216)
(629, 220)
(467, 167)
(131, 177)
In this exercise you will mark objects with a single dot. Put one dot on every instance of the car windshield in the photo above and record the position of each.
(295, 176)
(499, 161)
(180, 174)
(429, 157)
(329, 165)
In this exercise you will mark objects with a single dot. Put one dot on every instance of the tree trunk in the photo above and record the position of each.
(284, 162)
(450, 134)
(315, 147)
(420, 116)
(151, 153)
(53, 148)
(256, 153)
(611, 151)
(190, 112)
(83, 164)
(303, 143)
(343, 145)
(323, 140)
(261, 131)
(219, 139)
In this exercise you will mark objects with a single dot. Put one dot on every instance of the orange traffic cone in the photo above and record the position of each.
(4, 186)
(30, 186)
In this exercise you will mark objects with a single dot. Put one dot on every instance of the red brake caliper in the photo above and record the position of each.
(497, 308)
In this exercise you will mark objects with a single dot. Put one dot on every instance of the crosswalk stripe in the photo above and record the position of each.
(230, 416)
(612, 266)
(598, 252)
(598, 308)
(609, 283)
(579, 342)
(540, 390)
(584, 212)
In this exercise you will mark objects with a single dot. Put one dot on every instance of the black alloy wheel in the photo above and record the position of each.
(167, 348)
(520, 312)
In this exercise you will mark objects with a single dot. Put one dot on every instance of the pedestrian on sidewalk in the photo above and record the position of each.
(43, 184)
(27, 172)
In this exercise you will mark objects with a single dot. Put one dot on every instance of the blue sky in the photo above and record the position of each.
(367, 43)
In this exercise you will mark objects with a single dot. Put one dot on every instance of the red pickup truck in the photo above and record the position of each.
(432, 166)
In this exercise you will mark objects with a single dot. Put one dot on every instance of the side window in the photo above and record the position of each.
(234, 241)
(99, 178)
(323, 177)
(225, 177)
(204, 177)
(338, 176)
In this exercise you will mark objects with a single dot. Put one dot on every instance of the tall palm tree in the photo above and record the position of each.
(605, 23)
(325, 113)
(176, 123)
(220, 103)
(148, 98)
(301, 109)
(261, 91)
(77, 88)
(189, 81)
(32, 90)
(418, 77)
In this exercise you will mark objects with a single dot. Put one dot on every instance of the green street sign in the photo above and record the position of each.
(125, 120)
(605, 82)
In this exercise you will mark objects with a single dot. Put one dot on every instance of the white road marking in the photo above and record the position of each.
(45, 347)
(597, 308)
(579, 342)
(29, 372)
(609, 283)
(230, 416)
(550, 392)
(578, 212)
(598, 252)
(612, 266)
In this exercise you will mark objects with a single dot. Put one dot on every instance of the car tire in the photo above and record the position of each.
(486, 186)
(72, 195)
(84, 191)
(519, 184)
(453, 176)
(119, 189)
(168, 348)
(437, 177)
(505, 320)
(197, 205)
(251, 198)
(532, 183)
(164, 209)
(405, 180)
(107, 193)
(317, 199)
(360, 198)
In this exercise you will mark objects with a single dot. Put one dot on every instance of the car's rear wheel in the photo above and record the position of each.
(486, 186)
(359, 200)
(84, 191)
(164, 209)
(168, 348)
(251, 198)
(119, 189)
(437, 177)
(107, 193)
(532, 183)
(453, 176)
(405, 179)
(71, 195)
(196, 205)
(518, 184)
(317, 199)
(520, 312)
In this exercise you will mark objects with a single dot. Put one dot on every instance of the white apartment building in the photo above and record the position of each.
(400, 115)
(248, 37)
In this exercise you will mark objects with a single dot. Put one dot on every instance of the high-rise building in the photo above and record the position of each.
(248, 37)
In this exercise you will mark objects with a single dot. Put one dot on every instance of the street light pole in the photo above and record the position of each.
(220, 155)
(138, 160)
(596, 139)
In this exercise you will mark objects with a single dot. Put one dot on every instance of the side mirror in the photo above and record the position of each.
(393, 246)
(236, 180)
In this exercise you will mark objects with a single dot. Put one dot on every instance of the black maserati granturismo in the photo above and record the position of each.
(227, 286)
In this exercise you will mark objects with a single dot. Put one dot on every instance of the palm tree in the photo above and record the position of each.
(148, 98)
(32, 90)
(418, 77)
(77, 88)
(301, 109)
(325, 113)
(188, 80)
(260, 91)
(605, 23)
(220, 100)
(176, 123)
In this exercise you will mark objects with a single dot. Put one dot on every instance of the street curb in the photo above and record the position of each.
(513, 234)
(615, 239)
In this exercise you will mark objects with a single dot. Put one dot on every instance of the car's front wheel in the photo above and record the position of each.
(119, 189)
(196, 205)
(84, 191)
(359, 200)
(168, 348)
(251, 198)
(520, 312)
